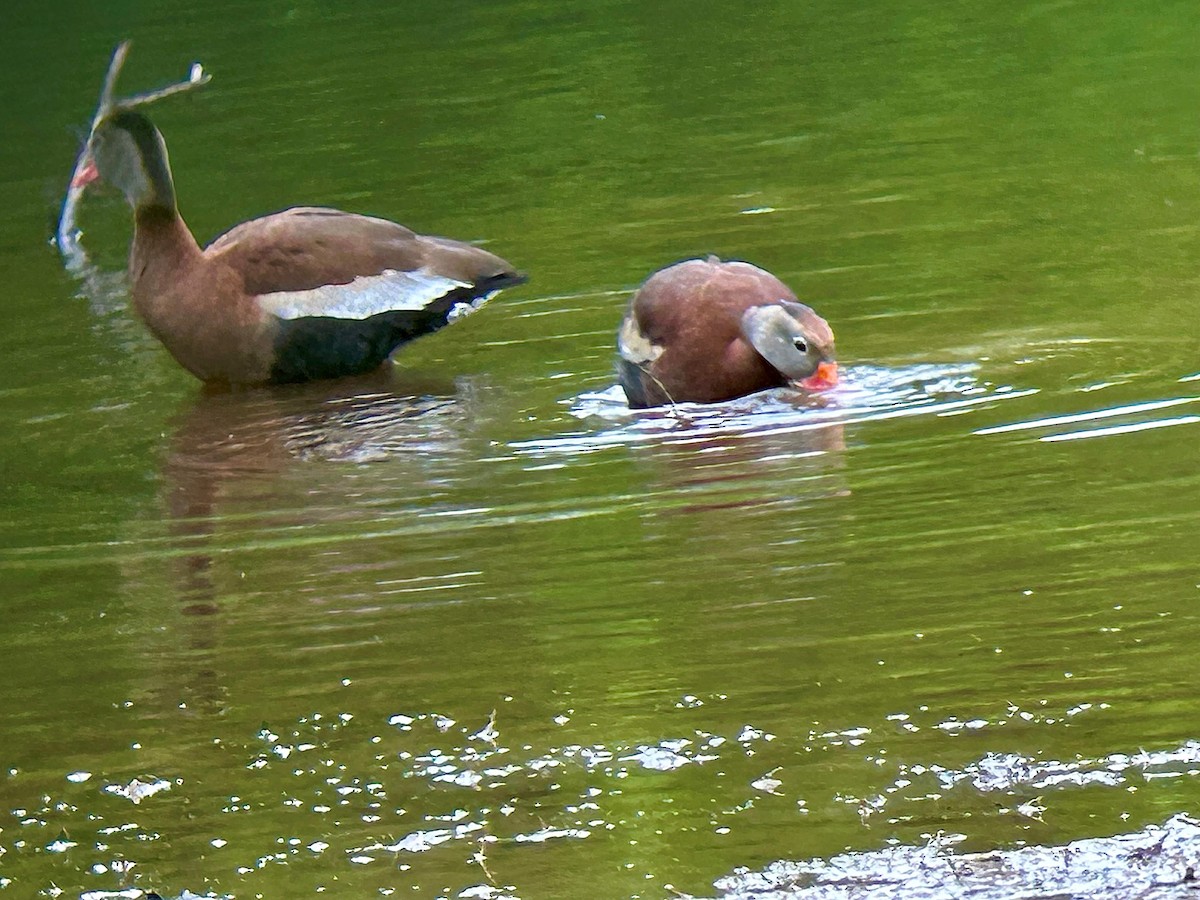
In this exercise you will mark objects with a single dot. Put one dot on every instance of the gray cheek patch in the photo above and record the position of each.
(365, 296)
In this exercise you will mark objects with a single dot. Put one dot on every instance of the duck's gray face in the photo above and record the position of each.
(795, 340)
(130, 154)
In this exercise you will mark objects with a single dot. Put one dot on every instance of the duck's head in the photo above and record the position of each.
(795, 340)
(128, 152)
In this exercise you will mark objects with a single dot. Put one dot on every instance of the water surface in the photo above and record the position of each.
(472, 628)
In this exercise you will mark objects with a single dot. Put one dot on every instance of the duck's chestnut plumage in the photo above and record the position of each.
(304, 294)
(705, 330)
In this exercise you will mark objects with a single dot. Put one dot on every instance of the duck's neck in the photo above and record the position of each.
(157, 186)
(163, 246)
(160, 192)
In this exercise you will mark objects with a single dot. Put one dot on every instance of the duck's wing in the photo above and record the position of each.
(323, 262)
(345, 290)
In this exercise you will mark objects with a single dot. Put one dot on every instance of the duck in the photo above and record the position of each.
(305, 294)
(707, 330)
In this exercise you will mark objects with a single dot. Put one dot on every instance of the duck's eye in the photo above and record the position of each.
(800, 345)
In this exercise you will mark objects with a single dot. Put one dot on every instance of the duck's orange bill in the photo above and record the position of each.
(85, 175)
(825, 377)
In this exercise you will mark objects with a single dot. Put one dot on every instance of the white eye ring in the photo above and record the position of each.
(799, 344)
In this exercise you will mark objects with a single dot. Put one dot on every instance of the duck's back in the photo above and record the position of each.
(311, 247)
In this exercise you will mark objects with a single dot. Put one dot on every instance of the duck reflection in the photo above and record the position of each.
(255, 459)
(778, 437)
(730, 470)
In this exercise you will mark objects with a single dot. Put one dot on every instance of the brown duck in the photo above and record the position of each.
(300, 295)
(704, 330)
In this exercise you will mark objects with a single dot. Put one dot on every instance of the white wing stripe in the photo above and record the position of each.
(365, 296)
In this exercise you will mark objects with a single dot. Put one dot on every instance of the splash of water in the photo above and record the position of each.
(866, 393)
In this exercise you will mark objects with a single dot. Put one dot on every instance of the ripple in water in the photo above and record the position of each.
(1137, 413)
(866, 393)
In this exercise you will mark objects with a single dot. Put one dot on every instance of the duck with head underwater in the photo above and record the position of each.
(704, 330)
(304, 294)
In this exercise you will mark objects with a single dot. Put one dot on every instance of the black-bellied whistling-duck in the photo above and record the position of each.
(304, 294)
(704, 330)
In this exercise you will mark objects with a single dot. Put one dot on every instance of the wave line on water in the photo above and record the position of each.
(843, 417)
(1052, 421)
(1118, 429)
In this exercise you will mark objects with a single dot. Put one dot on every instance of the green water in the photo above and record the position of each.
(765, 632)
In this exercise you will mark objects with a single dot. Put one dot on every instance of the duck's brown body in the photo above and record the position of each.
(305, 294)
(685, 336)
(217, 309)
(199, 310)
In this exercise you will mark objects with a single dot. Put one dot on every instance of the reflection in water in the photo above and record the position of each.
(252, 453)
(229, 441)
(776, 449)
(727, 471)
(227, 437)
